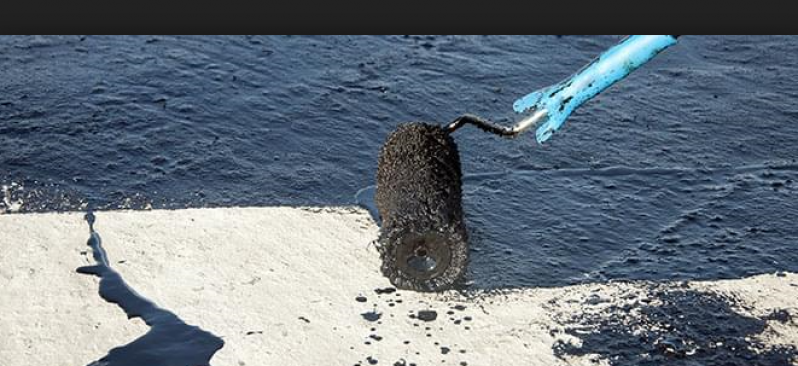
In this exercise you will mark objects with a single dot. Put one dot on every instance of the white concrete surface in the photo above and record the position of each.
(250, 274)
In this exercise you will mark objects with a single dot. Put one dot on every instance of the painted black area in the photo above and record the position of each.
(705, 130)
(677, 327)
(371, 316)
(387, 290)
(169, 342)
(780, 315)
(423, 320)
(427, 315)
(423, 239)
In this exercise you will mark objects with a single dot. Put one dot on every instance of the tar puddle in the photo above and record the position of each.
(169, 342)
(668, 326)
(386, 307)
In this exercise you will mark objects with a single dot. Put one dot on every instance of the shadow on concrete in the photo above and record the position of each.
(169, 342)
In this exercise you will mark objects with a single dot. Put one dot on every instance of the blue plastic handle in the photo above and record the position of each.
(561, 99)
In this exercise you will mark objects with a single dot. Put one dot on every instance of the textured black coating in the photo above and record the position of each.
(419, 199)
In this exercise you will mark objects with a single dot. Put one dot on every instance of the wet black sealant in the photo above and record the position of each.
(634, 188)
(586, 207)
(427, 315)
(371, 316)
(169, 342)
(676, 326)
(426, 320)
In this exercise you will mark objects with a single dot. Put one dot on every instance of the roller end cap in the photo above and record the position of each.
(427, 262)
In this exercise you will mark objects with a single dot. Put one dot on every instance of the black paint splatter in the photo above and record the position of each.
(387, 290)
(371, 316)
(427, 315)
(781, 315)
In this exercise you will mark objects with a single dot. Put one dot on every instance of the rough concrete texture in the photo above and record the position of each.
(302, 286)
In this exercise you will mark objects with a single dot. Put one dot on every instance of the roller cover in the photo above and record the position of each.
(423, 239)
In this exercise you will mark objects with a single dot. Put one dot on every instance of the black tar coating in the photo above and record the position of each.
(419, 195)
(427, 315)
(688, 328)
(371, 316)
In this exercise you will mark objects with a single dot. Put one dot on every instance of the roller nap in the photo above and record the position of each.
(423, 239)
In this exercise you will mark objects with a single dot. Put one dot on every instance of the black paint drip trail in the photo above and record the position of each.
(169, 342)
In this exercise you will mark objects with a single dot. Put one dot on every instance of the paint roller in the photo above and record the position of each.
(423, 240)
